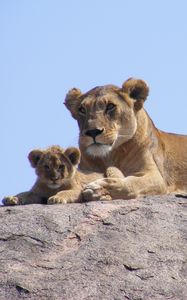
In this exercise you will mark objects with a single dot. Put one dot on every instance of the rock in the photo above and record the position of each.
(118, 250)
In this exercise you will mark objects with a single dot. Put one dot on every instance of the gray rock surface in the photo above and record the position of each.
(115, 250)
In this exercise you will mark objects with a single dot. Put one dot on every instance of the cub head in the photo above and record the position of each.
(107, 115)
(54, 165)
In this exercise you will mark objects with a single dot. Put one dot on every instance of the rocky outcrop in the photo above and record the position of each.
(118, 250)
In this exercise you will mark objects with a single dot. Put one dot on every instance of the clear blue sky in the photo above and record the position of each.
(50, 46)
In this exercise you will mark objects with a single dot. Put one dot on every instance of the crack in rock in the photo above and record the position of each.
(22, 289)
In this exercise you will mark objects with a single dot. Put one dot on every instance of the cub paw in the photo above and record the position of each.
(10, 200)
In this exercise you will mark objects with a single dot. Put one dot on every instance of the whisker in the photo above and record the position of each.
(123, 135)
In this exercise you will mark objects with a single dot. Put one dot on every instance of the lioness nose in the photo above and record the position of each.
(94, 132)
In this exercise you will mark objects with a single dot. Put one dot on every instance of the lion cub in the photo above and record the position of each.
(58, 180)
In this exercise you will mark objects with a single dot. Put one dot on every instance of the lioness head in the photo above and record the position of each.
(106, 115)
(54, 165)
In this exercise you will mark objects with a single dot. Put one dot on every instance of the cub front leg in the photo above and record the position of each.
(22, 199)
(11, 200)
(68, 196)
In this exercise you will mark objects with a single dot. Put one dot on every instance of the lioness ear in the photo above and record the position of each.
(73, 154)
(137, 89)
(34, 157)
(72, 101)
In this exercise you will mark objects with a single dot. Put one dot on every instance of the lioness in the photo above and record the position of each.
(58, 180)
(115, 130)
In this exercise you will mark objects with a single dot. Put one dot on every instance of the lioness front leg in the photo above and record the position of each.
(124, 188)
(97, 191)
(67, 196)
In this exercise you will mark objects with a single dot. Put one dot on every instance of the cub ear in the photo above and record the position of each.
(73, 154)
(34, 157)
(72, 101)
(137, 89)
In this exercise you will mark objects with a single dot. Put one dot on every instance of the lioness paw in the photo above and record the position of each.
(10, 200)
(96, 191)
(91, 195)
(56, 200)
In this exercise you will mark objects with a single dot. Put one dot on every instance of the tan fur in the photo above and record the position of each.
(115, 130)
(58, 180)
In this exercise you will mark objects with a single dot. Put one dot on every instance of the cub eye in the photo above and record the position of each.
(82, 110)
(110, 107)
(46, 167)
(61, 167)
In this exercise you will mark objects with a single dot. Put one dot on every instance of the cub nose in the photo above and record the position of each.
(94, 132)
(55, 177)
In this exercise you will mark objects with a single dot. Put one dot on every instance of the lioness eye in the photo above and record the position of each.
(82, 110)
(110, 107)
